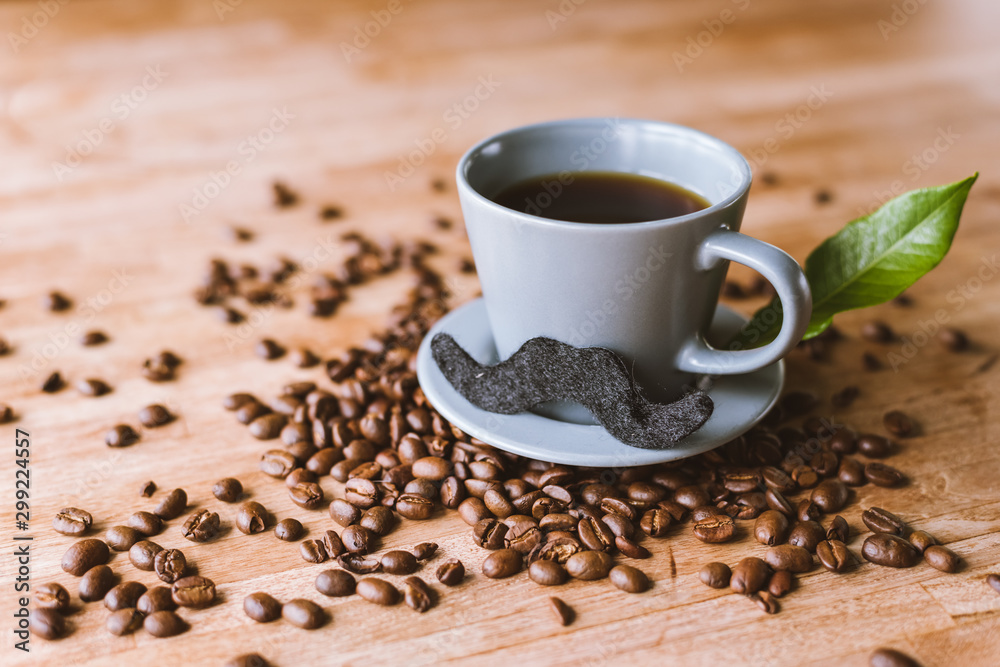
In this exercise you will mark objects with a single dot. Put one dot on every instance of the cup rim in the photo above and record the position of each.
(697, 135)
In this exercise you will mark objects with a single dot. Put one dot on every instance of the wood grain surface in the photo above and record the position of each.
(116, 115)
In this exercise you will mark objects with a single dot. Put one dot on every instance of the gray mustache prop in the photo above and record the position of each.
(544, 369)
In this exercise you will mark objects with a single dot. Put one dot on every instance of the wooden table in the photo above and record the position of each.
(117, 115)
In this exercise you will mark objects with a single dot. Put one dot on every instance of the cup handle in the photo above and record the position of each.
(783, 272)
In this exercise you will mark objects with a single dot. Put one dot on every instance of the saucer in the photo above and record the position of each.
(740, 402)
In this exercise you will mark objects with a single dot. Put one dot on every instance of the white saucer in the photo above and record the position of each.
(740, 402)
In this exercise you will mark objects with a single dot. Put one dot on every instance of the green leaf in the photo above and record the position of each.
(872, 259)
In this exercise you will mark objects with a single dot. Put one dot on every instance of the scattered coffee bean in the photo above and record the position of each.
(942, 558)
(879, 520)
(238, 400)
(771, 528)
(312, 551)
(414, 507)
(146, 523)
(303, 357)
(335, 583)
(890, 551)
(307, 495)
(248, 660)
(881, 474)
(121, 435)
(52, 596)
(451, 572)
(399, 562)
(142, 555)
(807, 510)
(887, 657)
(715, 529)
(124, 622)
(93, 387)
(164, 624)
(288, 530)
(121, 538)
(85, 554)
(251, 517)
(547, 573)
(172, 506)
(899, 424)
(563, 612)
(53, 383)
(124, 596)
(851, 472)
(877, 332)
(378, 591)
(72, 521)
(95, 583)
(201, 526)
(6, 414)
(359, 563)
(46, 623)
(789, 557)
(418, 595)
(195, 592)
(92, 338)
(228, 490)
(56, 302)
(766, 602)
(169, 565)
(954, 340)
(874, 446)
(830, 495)
(269, 349)
(839, 530)
(921, 540)
(589, 565)
(261, 607)
(750, 575)
(155, 415)
(782, 582)
(834, 555)
(629, 579)
(715, 575)
(806, 534)
(268, 427)
(424, 551)
(503, 563)
(156, 598)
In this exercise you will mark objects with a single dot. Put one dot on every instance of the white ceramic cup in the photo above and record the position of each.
(647, 290)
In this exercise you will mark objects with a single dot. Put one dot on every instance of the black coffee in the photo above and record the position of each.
(600, 197)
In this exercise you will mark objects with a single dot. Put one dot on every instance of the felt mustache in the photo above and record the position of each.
(544, 369)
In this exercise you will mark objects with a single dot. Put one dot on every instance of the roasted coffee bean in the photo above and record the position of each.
(807, 510)
(830, 496)
(251, 518)
(335, 583)
(618, 525)
(94, 337)
(877, 332)
(236, 401)
(490, 534)
(379, 520)
(362, 493)
(312, 551)
(881, 474)
(85, 554)
(954, 340)
(879, 520)
(715, 575)
(170, 565)
(307, 495)
(782, 582)
(288, 530)
(201, 526)
(750, 575)
(164, 624)
(887, 657)
(248, 660)
(777, 502)
(851, 472)
(629, 579)
(741, 480)
(844, 441)
(414, 507)
(195, 592)
(228, 490)
(261, 607)
(562, 611)
(333, 544)
(46, 623)
(124, 596)
(890, 551)
(805, 477)
(146, 523)
(502, 563)
(277, 463)
(451, 572)
(789, 557)
(267, 427)
(251, 410)
(93, 387)
(547, 573)
(645, 492)
(806, 534)
(6, 414)
(344, 512)
(839, 530)
(142, 555)
(121, 435)
(424, 551)
(921, 539)
(147, 489)
(691, 497)
(124, 622)
(899, 424)
(874, 446)
(589, 565)
(52, 596)
(172, 506)
(432, 467)
(269, 349)
(771, 528)
(615, 506)
(96, 583)
(72, 521)
(994, 581)
(154, 416)
(452, 492)
(715, 529)
(358, 540)
(656, 522)
(155, 599)
(766, 602)
(53, 383)
(399, 562)
(303, 613)
(595, 534)
(323, 461)
(942, 558)
(557, 521)
(378, 591)
(418, 595)
(497, 503)
(630, 549)
(834, 556)
(778, 480)
(121, 538)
